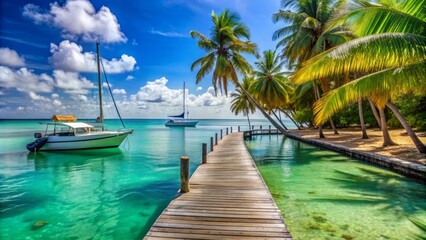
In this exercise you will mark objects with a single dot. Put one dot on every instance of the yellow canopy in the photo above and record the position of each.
(64, 118)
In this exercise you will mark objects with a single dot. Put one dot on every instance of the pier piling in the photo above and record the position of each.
(204, 153)
(184, 174)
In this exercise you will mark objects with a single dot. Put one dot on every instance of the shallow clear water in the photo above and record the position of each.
(94, 194)
(324, 195)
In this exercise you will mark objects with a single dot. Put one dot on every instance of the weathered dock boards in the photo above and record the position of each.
(227, 200)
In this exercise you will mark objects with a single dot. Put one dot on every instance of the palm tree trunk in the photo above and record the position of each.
(275, 124)
(279, 120)
(361, 119)
(288, 115)
(387, 141)
(317, 96)
(333, 126)
(248, 119)
(419, 145)
(374, 109)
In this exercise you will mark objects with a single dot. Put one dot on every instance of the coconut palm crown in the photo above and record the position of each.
(271, 87)
(224, 49)
(390, 57)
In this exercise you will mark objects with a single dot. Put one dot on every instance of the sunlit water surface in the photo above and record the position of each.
(324, 195)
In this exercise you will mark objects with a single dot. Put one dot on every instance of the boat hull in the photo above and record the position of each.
(182, 123)
(88, 141)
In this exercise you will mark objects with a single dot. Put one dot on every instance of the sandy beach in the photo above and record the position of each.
(349, 137)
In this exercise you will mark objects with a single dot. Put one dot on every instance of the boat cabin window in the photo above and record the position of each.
(84, 130)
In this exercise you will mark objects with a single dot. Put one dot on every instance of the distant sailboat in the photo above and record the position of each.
(67, 134)
(180, 120)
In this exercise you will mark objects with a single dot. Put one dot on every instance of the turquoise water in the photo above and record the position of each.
(324, 195)
(94, 194)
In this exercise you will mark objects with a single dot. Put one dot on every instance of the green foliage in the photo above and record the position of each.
(413, 107)
(304, 115)
(350, 116)
(228, 40)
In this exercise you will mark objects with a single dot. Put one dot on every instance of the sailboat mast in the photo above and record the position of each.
(184, 113)
(101, 112)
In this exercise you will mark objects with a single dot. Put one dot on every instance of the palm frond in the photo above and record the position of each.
(379, 19)
(367, 54)
(378, 86)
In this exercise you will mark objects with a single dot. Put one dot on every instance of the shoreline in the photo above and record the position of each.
(402, 158)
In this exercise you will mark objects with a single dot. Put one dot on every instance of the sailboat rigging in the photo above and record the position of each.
(67, 134)
(180, 120)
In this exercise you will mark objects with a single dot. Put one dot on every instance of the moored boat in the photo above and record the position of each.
(180, 120)
(67, 134)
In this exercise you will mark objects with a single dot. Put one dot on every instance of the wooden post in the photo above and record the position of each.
(260, 127)
(226, 131)
(269, 129)
(211, 144)
(231, 129)
(221, 133)
(252, 127)
(215, 142)
(238, 128)
(204, 153)
(184, 174)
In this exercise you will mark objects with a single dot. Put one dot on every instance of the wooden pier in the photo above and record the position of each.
(227, 200)
(248, 134)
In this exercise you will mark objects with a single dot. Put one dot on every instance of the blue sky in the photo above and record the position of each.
(47, 55)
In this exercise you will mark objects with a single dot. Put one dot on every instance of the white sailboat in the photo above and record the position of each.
(180, 120)
(64, 133)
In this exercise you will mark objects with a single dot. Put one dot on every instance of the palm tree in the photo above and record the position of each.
(240, 102)
(390, 52)
(271, 87)
(306, 36)
(224, 59)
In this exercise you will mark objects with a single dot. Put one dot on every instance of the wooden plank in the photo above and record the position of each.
(227, 200)
(219, 232)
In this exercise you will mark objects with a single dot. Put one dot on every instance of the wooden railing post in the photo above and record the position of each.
(269, 129)
(215, 137)
(231, 129)
(252, 127)
(204, 153)
(211, 144)
(260, 127)
(226, 131)
(184, 174)
(221, 134)
(238, 128)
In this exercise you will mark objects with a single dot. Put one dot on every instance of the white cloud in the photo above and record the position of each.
(57, 103)
(104, 84)
(9, 57)
(82, 98)
(78, 18)
(25, 80)
(207, 99)
(169, 34)
(55, 95)
(157, 92)
(20, 108)
(69, 56)
(36, 97)
(119, 91)
(199, 89)
(71, 82)
(130, 77)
